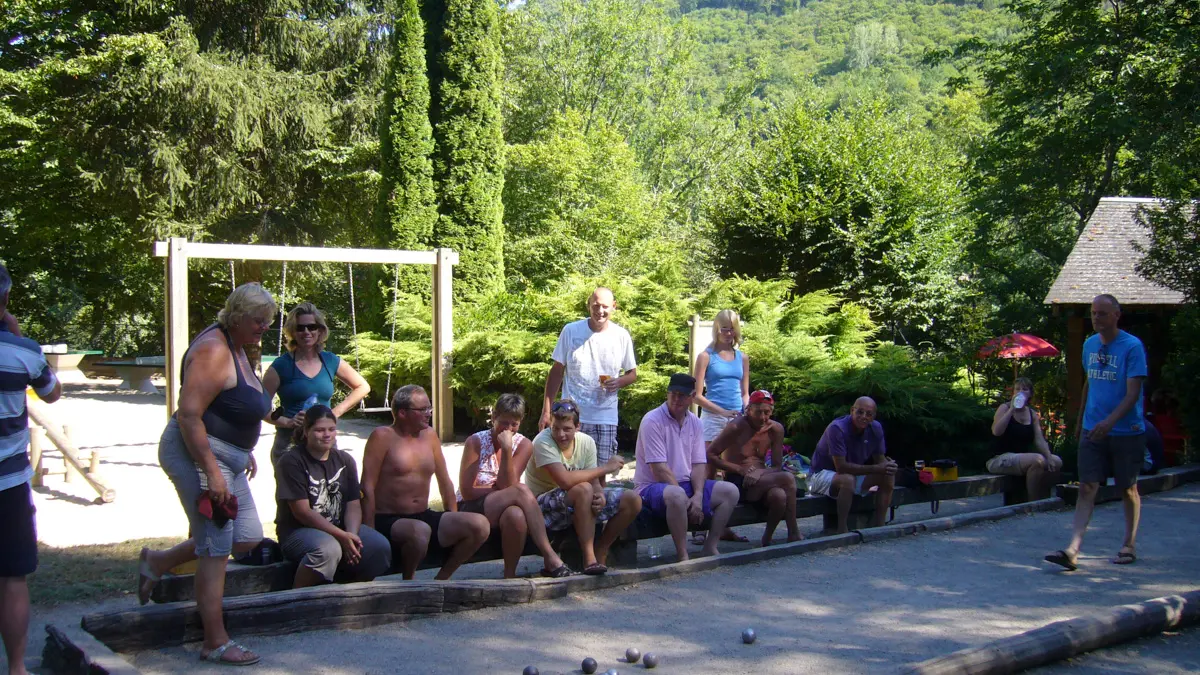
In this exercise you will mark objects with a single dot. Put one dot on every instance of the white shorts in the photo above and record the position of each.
(713, 424)
(819, 483)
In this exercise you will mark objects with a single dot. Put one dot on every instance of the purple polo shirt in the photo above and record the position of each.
(842, 440)
(662, 439)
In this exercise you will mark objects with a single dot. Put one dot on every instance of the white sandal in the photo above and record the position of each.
(216, 655)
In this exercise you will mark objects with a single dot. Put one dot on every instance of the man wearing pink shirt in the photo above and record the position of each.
(670, 460)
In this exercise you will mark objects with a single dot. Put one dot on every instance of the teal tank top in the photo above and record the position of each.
(723, 380)
(295, 387)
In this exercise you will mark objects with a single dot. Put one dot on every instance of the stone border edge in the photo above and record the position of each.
(74, 650)
(1064, 639)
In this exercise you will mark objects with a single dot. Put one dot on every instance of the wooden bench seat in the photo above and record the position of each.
(247, 579)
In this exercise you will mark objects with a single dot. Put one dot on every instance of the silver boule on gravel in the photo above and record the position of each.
(530, 670)
(650, 660)
(589, 666)
(749, 636)
(632, 655)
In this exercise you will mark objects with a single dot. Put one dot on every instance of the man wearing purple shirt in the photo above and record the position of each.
(851, 458)
(670, 460)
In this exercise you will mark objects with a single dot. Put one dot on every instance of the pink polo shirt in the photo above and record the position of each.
(662, 439)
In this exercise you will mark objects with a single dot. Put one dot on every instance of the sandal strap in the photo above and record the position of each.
(216, 654)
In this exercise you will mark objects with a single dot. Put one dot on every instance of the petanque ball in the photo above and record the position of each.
(530, 670)
(589, 665)
(611, 671)
(650, 659)
(748, 636)
(632, 655)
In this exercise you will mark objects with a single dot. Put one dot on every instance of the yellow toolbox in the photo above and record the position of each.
(943, 470)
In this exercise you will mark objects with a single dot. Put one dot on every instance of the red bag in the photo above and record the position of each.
(220, 514)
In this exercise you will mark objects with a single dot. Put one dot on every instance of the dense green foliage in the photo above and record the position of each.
(1089, 99)
(859, 202)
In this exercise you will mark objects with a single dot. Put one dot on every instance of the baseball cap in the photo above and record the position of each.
(762, 396)
(682, 383)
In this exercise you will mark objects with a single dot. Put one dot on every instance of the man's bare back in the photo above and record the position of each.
(402, 483)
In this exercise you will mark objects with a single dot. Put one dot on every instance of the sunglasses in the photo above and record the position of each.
(423, 411)
(560, 406)
(308, 327)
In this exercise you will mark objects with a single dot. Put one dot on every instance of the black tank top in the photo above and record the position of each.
(1016, 438)
(235, 415)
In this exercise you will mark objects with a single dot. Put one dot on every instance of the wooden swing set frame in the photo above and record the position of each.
(178, 251)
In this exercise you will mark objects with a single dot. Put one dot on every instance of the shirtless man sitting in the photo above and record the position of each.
(397, 464)
(741, 450)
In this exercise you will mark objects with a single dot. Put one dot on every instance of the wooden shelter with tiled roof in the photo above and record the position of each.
(1103, 261)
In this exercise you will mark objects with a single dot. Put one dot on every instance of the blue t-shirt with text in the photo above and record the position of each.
(1108, 366)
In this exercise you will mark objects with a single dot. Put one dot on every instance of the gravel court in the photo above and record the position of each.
(862, 609)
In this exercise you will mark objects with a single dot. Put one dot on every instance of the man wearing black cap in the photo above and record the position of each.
(741, 451)
(670, 460)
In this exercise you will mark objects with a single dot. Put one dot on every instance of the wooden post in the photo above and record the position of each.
(177, 317)
(35, 454)
(1075, 337)
(94, 462)
(443, 343)
(699, 338)
(70, 473)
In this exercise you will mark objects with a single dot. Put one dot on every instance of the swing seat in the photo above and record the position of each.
(375, 410)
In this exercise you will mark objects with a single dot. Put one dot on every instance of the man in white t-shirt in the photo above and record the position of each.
(592, 361)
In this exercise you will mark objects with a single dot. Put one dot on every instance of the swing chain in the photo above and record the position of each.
(282, 306)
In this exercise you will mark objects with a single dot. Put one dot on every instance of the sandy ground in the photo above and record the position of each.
(863, 609)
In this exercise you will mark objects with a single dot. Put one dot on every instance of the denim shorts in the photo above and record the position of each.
(189, 479)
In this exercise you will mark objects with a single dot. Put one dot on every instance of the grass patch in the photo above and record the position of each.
(94, 572)
(88, 573)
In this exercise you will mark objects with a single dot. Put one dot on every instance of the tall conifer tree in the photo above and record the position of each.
(408, 204)
(464, 58)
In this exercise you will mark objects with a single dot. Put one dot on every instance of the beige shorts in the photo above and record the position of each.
(1007, 464)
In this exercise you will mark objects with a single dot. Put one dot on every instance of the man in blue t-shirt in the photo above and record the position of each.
(1114, 430)
(21, 366)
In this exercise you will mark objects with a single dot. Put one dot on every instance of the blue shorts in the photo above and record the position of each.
(652, 497)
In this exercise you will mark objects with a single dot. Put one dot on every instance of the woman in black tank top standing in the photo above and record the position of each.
(1021, 446)
(206, 452)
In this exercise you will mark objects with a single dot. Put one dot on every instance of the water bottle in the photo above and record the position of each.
(652, 549)
(308, 403)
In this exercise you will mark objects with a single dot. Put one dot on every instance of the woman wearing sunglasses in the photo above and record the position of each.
(307, 373)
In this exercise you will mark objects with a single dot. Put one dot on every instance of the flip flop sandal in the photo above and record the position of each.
(699, 538)
(558, 572)
(147, 579)
(1061, 559)
(1125, 558)
(730, 535)
(595, 569)
(218, 655)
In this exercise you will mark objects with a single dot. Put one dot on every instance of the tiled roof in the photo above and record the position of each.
(1104, 257)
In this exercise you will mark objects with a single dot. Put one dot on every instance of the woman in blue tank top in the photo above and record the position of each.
(725, 371)
(306, 373)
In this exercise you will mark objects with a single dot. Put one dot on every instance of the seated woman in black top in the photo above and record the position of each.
(319, 517)
(1021, 445)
